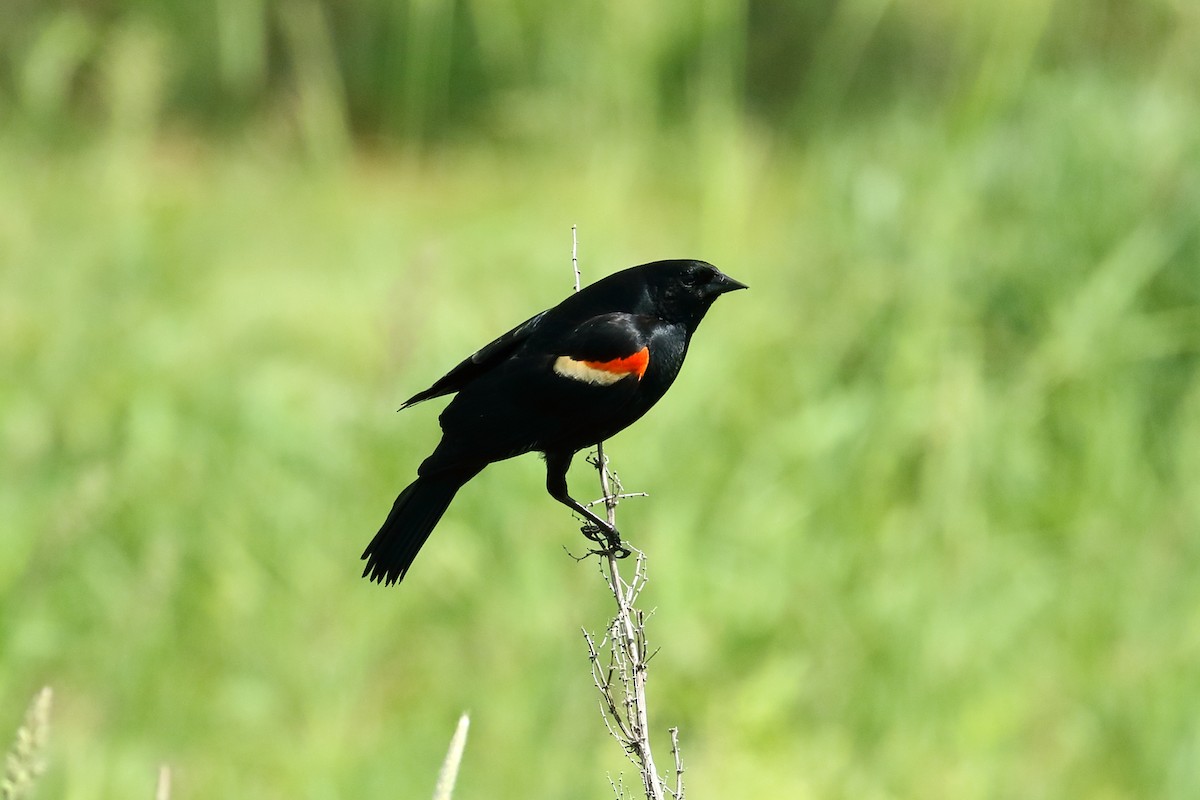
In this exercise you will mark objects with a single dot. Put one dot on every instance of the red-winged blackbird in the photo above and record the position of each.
(559, 382)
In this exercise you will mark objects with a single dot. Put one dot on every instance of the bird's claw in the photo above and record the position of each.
(618, 550)
(609, 541)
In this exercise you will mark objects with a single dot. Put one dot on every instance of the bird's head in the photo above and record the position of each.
(683, 290)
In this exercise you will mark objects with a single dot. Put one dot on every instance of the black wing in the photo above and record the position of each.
(478, 362)
(532, 401)
(605, 337)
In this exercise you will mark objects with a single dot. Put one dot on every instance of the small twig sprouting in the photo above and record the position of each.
(575, 254)
(622, 496)
(678, 793)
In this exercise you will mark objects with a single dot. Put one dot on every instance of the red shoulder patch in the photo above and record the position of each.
(603, 373)
(635, 364)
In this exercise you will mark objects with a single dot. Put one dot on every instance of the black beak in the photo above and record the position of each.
(724, 284)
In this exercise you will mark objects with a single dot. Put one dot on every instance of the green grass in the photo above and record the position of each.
(923, 516)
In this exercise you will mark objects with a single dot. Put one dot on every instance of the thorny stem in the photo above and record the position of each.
(631, 641)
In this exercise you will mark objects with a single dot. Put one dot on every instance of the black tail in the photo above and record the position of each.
(413, 516)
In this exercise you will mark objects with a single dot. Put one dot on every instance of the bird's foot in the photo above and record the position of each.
(608, 539)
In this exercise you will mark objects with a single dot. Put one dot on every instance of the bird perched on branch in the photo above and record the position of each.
(559, 382)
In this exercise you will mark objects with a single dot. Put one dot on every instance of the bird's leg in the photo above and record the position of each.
(556, 484)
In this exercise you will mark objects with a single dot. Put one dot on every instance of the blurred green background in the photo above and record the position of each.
(924, 517)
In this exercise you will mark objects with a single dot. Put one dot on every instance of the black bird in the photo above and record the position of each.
(559, 382)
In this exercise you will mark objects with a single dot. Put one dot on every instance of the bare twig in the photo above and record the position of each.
(621, 682)
(575, 254)
(678, 793)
